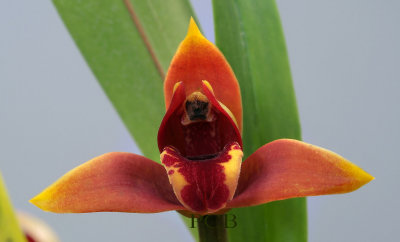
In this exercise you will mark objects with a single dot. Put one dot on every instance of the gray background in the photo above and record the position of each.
(345, 60)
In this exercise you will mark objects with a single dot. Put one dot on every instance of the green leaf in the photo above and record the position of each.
(128, 45)
(107, 34)
(250, 35)
(9, 228)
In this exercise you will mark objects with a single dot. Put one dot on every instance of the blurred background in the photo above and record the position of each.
(344, 57)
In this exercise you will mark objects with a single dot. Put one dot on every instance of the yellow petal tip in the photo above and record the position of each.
(36, 201)
(360, 176)
(369, 178)
(193, 30)
(40, 201)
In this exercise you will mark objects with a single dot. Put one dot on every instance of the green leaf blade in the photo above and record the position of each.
(119, 58)
(9, 227)
(249, 34)
(165, 23)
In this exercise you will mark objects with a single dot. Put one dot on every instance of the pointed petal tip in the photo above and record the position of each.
(358, 176)
(33, 200)
(43, 201)
(193, 29)
(40, 202)
(363, 177)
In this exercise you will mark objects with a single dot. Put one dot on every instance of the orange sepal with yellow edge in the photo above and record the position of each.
(197, 59)
(113, 182)
(288, 168)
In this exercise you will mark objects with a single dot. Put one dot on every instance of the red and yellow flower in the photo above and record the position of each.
(201, 149)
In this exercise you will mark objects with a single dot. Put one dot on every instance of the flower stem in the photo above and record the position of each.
(212, 228)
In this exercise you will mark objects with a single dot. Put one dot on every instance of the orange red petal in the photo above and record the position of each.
(113, 182)
(197, 59)
(289, 168)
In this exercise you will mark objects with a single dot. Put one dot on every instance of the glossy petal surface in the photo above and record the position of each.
(197, 59)
(289, 168)
(113, 182)
(204, 186)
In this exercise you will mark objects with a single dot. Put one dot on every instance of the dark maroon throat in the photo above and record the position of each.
(198, 130)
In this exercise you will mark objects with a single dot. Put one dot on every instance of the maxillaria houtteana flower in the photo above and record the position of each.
(201, 149)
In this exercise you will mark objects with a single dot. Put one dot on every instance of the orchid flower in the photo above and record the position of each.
(201, 151)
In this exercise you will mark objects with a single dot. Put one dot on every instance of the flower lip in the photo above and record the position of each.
(204, 186)
(197, 125)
